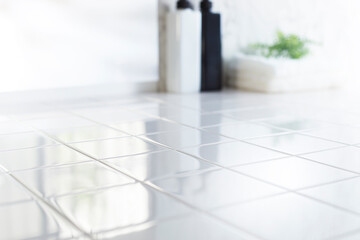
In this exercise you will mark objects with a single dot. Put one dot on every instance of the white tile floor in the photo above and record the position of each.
(230, 165)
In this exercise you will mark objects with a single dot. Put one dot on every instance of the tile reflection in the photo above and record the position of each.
(117, 207)
(216, 188)
(40, 157)
(149, 126)
(11, 192)
(294, 143)
(72, 178)
(185, 138)
(244, 130)
(23, 140)
(116, 147)
(157, 165)
(233, 153)
(28, 220)
(79, 134)
(294, 172)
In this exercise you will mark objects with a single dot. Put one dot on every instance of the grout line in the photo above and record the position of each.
(329, 165)
(170, 195)
(246, 174)
(50, 206)
(59, 165)
(25, 148)
(138, 180)
(324, 184)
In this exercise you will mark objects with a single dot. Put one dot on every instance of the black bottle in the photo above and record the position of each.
(211, 65)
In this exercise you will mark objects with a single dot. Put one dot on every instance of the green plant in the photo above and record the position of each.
(287, 46)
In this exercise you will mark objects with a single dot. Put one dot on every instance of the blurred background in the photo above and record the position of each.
(65, 43)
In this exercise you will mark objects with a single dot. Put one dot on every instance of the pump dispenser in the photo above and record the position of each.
(183, 70)
(211, 63)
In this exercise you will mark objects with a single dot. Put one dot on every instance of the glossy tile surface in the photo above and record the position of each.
(40, 157)
(343, 134)
(148, 126)
(347, 158)
(190, 227)
(80, 134)
(21, 217)
(295, 143)
(27, 220)
(201, 120)
(11, 192)
(158, 165)
(9, 127)
(118, 207)
(245, 130)
(71, 178)
(223, 187)
(233, 153)
(185, 138)
(345, 194)
(294, 123)
(23, 140)
(220, 165)
(294, 173)
(116, 147)
(290, 216)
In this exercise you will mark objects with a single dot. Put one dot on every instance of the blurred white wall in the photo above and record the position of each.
(61, 43)
(334, 24)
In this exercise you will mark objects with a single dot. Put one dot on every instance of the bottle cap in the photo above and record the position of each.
(183, 4)
(205, 5)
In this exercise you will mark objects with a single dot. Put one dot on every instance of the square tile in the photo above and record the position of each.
(233, 153)
(199, 120)
(95, 132)
(294, 123)
(173, 111)
(294, 173)
(28, 220)
(122, 206)
(294, 143)
(290, 216)
(245, 130)
(158, 165)
(72, 178)
(185, 138)
(116, 147)
(255, 113)
(61, 122)
(148, 127)
(23, 140)
(194, 226)
(345, 194)
(115, 115)
(40, 157)
(216, 105)
(346, 158)
(343, 134)
(216, 188)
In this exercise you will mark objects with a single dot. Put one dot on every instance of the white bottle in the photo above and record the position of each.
(183, 70)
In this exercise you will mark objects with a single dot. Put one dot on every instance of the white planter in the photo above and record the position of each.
(273, 75)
